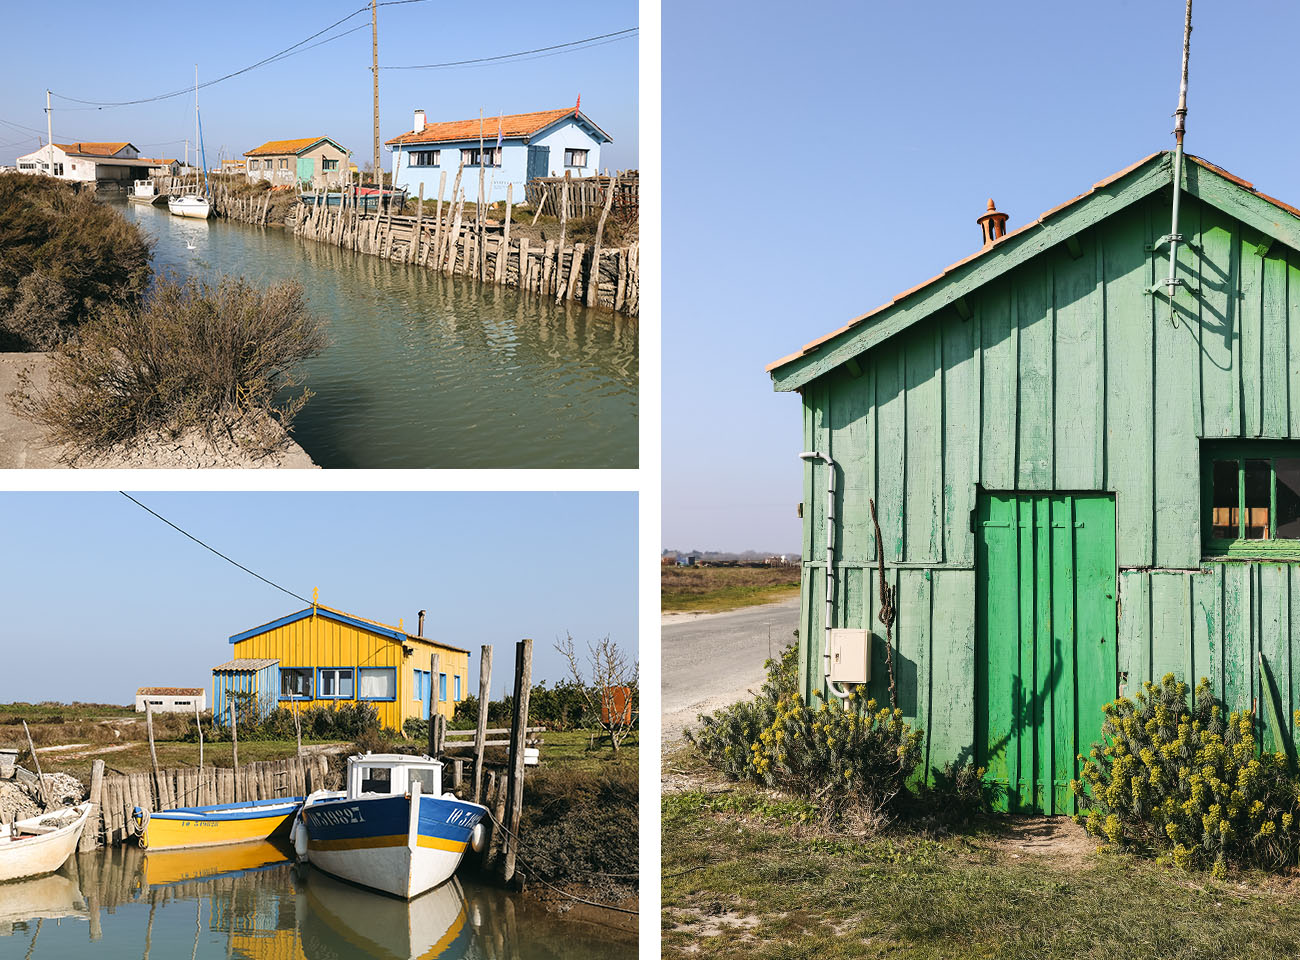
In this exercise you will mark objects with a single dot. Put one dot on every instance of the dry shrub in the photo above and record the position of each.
(63, 256)
(193, 356)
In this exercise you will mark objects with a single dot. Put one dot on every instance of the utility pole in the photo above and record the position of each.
(374, 69)
(49, 130)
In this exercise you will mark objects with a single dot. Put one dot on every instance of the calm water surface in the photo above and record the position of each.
(426, 370)
(248, 901)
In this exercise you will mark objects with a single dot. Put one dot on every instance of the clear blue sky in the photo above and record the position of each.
(100, 597)
(86, 50)
(915, 114)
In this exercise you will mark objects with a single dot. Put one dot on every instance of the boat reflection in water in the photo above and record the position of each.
(250, 901)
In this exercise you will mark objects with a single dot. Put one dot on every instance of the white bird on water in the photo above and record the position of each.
(189, 245)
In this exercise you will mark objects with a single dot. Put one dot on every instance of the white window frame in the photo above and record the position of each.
(336, 676)
(569, 157)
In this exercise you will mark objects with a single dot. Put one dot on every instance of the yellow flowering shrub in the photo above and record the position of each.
(1169, 775)
(854, 749)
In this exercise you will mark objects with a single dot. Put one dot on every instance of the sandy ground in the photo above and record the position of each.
(23, 444)
(713, 659)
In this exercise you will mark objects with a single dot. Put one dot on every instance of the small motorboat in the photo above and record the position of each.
(145, 191)
(215, 824)
(392, 829)
(190, 205)
(38, 845)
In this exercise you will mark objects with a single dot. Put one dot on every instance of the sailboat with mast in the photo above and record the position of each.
(193, 203)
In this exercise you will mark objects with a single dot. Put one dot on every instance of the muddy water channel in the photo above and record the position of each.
(431, 371)
(249, 901)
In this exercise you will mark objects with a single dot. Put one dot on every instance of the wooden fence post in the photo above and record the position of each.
(153, 753)
(518, 744)
(90, 833)
(36, 762)
(234, 745)
(484, 692)
(198, 722)
(433, 704)
(593, 277)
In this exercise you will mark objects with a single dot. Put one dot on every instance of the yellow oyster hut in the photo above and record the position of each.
(322, 656)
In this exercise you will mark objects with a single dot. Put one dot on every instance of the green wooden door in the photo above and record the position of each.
(1045, 656)
(306, 169)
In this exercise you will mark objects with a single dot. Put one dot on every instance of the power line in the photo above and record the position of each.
(212, 549)
(618, 34)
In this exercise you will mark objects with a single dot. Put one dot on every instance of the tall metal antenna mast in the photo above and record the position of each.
(1172, 282)
(374, 69)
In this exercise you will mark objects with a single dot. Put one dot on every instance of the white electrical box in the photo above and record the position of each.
(850, 656)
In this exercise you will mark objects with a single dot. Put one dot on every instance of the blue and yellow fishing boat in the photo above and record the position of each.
(392, 829)
(215, 824)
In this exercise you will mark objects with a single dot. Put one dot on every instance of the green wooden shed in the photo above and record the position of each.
(1080, 485)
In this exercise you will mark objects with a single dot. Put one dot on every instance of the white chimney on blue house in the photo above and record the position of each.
(419, 121)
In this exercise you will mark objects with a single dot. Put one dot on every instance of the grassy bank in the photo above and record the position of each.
(713, 589)
(745, 875)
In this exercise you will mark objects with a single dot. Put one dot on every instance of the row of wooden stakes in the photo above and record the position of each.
(452, 245)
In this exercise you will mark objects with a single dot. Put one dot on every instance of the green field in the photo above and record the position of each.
(743, 876)
(714, 589)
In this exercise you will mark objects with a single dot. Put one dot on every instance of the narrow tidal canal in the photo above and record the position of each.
(248, 901)
(425, 370)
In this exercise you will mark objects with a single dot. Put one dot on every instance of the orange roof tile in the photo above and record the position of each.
(93, 149)
(281, 147)
(1100, 184)
(512, 125)
(170, 691)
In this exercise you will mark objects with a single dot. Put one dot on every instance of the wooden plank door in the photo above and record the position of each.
(539, 159)
(1045, 634)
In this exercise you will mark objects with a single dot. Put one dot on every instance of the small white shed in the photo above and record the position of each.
(171, 699)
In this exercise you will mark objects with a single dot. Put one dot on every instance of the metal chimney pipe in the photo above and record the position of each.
(420, 632)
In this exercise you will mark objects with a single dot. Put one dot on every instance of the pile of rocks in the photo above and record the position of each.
(20, 797)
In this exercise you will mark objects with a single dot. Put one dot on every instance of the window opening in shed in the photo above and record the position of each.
(1252, 496)
(295, 682)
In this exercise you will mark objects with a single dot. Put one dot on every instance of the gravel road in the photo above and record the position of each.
(712, 659)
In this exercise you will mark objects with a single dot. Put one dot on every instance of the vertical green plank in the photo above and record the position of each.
(809, 439)
(1176, 408)
(1027, 702)
(1129, 450)
(961, 427)
(1044, 666)
(1204, 624)
(952, 664)
(890, 446)
(999, 334)
(807, 675)
(1170, 627)
(813, 639)
(1292, 680)
(1274, 622)
(1293, 341)
(913, 662)
(923, 535)
(1096, 650)
(852, 435)
(1252, 340)
(1134, 621)
(1033, 292)
(1237, 635)
(1080, 401)
(1275, 378)
(1220, 378)
(1063, 638)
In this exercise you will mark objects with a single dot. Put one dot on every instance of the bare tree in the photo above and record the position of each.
(611, 694)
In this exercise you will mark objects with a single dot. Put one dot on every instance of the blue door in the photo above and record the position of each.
(539, 159)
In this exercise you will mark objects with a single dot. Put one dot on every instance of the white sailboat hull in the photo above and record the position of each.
(34, 853)
(190, 206)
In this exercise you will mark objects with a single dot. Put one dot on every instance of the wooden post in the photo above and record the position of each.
(36, 762)
(433, 704)
(413, 248)
(518, 743)
(503, 253)
(480, 735)
(153, 753)
(90, 833)
(234, 743)
(439, 735)
(297, 727)
(564, 211)
(546, 192)
(593, 278)
(198, 722)
(436, 248)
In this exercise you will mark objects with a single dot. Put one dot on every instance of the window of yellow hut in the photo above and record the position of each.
(336, 683)
(377, 683)
(295, 683)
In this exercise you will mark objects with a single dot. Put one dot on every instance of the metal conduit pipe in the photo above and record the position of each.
(1180, 118)
(830, 571)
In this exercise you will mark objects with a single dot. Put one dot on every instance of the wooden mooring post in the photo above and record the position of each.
(484, 692)
(518, 743)
(90, 833)
(234, 747)
(434, 662)
(36, 762)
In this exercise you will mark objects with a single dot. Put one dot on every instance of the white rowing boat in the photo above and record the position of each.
(29, 848)
(190, 205)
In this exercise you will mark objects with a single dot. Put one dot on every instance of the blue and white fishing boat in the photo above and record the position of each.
(392, 829)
